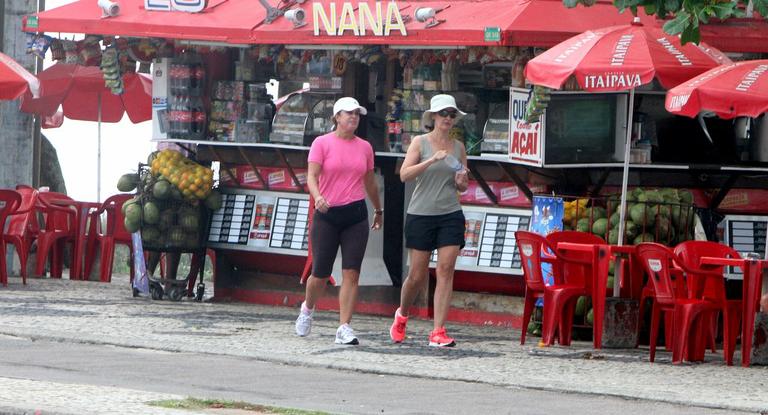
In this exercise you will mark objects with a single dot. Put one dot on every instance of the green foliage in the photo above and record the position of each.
(684, 16)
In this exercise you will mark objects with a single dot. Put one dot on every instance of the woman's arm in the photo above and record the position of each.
(372, 189)
(411, 167)
(462, 178)
(313, 173)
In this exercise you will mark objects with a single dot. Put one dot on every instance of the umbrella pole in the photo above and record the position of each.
(98, 153)
(624, 180)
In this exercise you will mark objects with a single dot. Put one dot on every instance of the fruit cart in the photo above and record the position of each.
(171, 210)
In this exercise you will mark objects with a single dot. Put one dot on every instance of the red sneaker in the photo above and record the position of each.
(397, 330)
(439, 338)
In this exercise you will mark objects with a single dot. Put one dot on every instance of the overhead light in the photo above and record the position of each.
(296, 16)
(423, 14)
(325, 47)
(427, 15)
(109, 8)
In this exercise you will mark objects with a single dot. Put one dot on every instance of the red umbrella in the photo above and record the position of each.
(621, 58)
(15, 80)
(83, 95)
(732, 90)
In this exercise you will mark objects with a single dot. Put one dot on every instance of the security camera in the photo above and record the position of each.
(423, 14)
(109, 8)
(296, 16)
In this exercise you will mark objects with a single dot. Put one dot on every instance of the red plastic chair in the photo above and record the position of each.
(9, 203)
(106, 237)
(529, 245)
(691, 252)
(23, 227)
(60, 229)
(559, 298)
(687, 313)
(577, 268)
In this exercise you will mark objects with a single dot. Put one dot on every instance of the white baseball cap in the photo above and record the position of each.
(437, 103)
(348, 104)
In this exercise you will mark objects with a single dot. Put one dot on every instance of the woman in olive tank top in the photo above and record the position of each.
(435, 220)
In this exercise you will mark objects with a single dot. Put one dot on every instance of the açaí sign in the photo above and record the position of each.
(525, 140)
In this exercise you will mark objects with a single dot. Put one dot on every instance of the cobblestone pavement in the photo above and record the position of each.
(92, 312)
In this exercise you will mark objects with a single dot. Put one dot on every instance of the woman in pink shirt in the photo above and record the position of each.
(340, 174)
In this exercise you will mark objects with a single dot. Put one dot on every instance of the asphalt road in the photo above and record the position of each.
(208, 375)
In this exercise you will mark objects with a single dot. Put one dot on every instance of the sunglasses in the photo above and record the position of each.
(447, 113)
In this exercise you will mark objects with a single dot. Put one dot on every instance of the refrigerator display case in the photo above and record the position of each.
(496, 130)
(303, 117)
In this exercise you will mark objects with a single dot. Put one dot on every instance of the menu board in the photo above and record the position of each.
(489, 236)
(257, 220)
(745, 234)
(231, 223)
(289, 228)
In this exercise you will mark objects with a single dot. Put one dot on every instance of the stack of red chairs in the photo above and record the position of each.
(9, 203)
(577, 268)
(23, 227)
(60, 229)
(105, 237)
(689, 312)
(572, 279)
(691, 252)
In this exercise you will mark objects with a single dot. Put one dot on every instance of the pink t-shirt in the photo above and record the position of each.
(344, 164)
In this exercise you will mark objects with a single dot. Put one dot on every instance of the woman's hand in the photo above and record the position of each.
(321, 204)
(439, 155)
(378, 220)
(462, 180)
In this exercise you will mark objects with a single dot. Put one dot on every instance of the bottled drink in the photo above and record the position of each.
(453, 163)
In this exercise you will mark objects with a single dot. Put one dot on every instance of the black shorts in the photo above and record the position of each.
(345, 226)
(427, 233)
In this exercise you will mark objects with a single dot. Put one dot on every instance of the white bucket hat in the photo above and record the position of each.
(348, 104)
(437, 103)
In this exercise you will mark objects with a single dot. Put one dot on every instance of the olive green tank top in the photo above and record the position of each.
(435, 192)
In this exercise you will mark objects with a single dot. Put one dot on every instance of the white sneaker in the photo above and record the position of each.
(345, 335)
(304, 321)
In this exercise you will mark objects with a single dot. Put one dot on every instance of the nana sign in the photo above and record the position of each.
(525, 140)
(380, 19)
(189, 6)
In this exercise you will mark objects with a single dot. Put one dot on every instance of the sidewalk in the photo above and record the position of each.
(97, 313)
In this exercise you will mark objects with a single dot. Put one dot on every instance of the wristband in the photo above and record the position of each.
(378, 211)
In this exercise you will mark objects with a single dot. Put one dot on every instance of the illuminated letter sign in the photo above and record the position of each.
(189, 6)
(334, 24)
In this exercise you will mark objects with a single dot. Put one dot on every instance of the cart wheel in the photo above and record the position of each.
(176, 293)
(135, 292)
(156, 291)
(200, 292)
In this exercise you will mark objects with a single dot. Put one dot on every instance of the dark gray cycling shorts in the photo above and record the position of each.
(345, 226)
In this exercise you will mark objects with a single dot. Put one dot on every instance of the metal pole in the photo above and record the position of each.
(98, 155)
(624, 180)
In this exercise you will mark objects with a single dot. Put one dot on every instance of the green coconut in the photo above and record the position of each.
(128, 182)
(162, 189)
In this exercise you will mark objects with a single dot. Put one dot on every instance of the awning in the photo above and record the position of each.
(461, 23)
(542, 23)
(230, 21)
